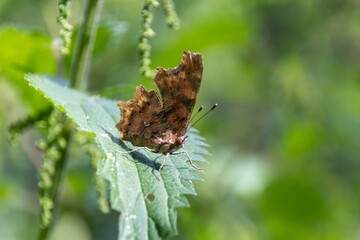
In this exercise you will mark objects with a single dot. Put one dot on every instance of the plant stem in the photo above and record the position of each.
(84, 44)
(78, 76)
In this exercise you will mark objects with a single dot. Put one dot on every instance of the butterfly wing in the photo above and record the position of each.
(179, 88)
(161, 124)
(141, 118)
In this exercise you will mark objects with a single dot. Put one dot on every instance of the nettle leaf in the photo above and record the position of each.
(24, 51)
(146, 198)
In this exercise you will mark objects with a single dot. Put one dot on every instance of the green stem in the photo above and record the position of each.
(84, 44)
(78, 76)
(30, 120)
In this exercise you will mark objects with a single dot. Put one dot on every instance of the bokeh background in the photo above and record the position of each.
(285, 139)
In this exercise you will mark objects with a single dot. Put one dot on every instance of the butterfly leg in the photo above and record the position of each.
(133, 150)
(187, 155)
(166, 156)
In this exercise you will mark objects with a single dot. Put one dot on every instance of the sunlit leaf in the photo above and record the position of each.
(23, 52)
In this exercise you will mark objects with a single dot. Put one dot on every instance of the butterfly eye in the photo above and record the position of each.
(146, 124)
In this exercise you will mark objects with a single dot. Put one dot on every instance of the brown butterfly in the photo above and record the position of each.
(161, 124)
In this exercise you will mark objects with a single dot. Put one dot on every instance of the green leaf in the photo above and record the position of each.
(23, 52)
(146, 198)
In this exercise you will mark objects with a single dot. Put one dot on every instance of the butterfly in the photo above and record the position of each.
(160, 124)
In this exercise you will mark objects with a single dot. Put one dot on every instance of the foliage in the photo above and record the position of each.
(285, 137)
(145, 197)
(36, 55)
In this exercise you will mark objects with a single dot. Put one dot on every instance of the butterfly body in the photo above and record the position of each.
(158, 123)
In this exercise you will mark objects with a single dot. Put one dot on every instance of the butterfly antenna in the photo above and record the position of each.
(213, 107)
(200, 108)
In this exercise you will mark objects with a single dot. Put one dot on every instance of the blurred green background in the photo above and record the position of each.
(285, 139)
